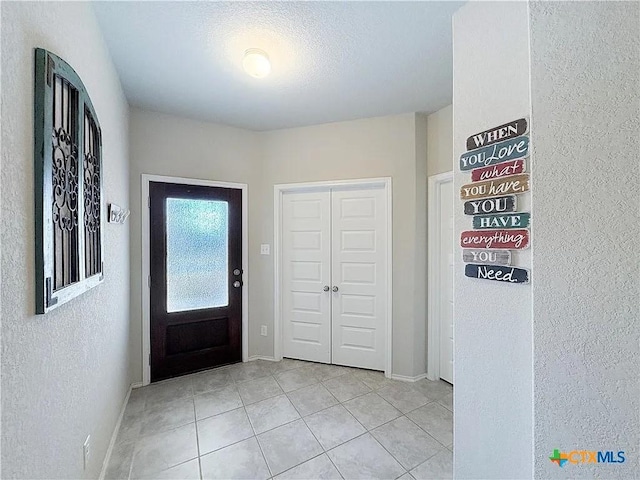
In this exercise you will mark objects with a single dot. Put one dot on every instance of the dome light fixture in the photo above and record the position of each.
(256, 63)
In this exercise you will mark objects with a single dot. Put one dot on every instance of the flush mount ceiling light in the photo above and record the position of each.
(256, 63)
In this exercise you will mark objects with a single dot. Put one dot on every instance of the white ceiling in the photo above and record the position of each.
(331, 61)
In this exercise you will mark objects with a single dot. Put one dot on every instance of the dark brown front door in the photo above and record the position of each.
(196, 278)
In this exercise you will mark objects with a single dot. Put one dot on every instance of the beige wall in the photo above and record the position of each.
(392, 146)
(64, 374)
(420, 255)
(440, 141)
(173, 146)
(373, 147)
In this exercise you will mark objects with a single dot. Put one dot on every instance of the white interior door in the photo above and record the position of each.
(359, 296)
(306, 271)
(445, 285)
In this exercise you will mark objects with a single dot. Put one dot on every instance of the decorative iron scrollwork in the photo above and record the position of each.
(65, 181)
(92, 200)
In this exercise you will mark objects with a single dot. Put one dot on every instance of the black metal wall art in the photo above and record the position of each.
(68, 185)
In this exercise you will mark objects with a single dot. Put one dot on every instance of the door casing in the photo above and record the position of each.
(433, 264)
(144, 279)
(278, 192)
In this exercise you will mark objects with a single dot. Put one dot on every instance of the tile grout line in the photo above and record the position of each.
(175, 465)
(229, 445)
(387, 450)
(367, 431)
(324, 450)
(318, 411)
(423, 429)
(137, 437)
(174, 427)
(255, 435)
(195, 418)
(300, 417)
(322, 410)
(314, 436)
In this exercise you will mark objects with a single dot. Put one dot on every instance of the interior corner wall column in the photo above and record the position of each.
(420, 282)
(493, 340)
(554, 365)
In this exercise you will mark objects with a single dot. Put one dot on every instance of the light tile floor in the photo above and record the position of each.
(286, 420)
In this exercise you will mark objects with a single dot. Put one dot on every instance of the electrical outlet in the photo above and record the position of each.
(263, 330)
(265, 249)
(86, 451)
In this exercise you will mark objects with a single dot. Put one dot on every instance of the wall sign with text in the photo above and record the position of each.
(513, 129)
(494, 154)
(514, 167)
(496, 158)
(492, 188)
(509, 239)
(499, 273)
(510, 220)
(504, 204)
(494, 257)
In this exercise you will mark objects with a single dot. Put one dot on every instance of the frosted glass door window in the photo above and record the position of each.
(197, 254)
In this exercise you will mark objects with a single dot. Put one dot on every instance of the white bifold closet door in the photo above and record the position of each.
(359, 272)
(306, 262)
(334, 276)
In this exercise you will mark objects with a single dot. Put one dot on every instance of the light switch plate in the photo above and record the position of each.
(265, 249)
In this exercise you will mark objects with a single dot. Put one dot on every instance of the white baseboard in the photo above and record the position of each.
(261, 357)
(404, 378)
(114, 435)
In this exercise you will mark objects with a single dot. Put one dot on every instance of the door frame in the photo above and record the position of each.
(433, 266)
(278, 192)
(144, 279)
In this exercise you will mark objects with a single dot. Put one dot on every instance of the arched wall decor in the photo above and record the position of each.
(69, 205)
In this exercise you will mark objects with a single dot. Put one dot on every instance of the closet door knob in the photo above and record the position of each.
(325, 288)
(335, 289)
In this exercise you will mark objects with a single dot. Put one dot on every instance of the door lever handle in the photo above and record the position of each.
(325, 288)
(335, 289)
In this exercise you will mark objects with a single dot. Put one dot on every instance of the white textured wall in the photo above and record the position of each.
(493, 355)
(168, 145)
(64, 374)
(440, 141)
(586, 310)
